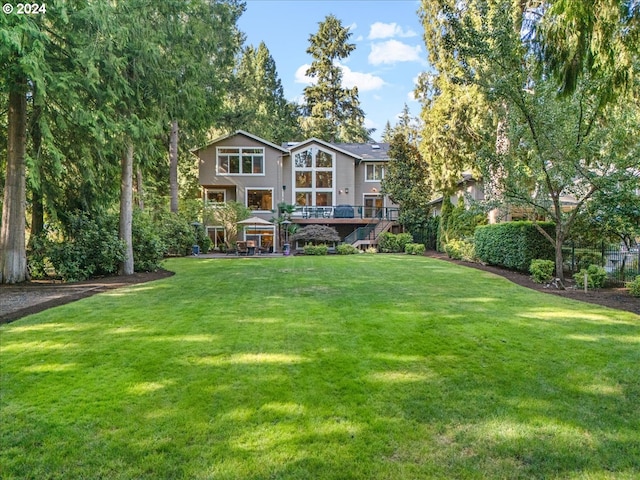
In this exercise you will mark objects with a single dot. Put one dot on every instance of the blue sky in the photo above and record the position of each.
(389, 55)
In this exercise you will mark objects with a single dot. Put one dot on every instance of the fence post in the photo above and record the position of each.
(573, 256)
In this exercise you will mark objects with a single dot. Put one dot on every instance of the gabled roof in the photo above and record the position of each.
(367, 151)
(295, 146)
(240, 132)
(359, 151)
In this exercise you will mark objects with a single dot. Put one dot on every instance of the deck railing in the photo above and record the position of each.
(348, 211)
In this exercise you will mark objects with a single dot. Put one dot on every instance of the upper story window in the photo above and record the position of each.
(313, 177)
(260, 199)
(214, 197)
(240, 161)
(374, 172)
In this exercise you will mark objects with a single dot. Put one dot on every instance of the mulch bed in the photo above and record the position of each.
(17, 301)
(20, 300)
(618, 298)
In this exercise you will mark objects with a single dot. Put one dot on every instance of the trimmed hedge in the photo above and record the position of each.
(513, 244)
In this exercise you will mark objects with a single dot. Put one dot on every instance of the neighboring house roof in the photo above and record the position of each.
(466, 177)
(240, 132)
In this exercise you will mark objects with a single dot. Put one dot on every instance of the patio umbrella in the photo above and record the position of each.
(256, 222)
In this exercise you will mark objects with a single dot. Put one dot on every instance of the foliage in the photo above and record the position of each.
(394, 243)
(176, 233)
(634, 287)
(148, 247)
(227, 216)
(544, 147)
(371, 250)
(586, 258)
(428, 233)
(346, 249)
(332, 112)
(316, 234)
(319, 249)
(407, 126)
(414, 249)
(256, 102)
(541, 270)
(596, 277)
(459, 222)
(405, 181)
(84, 247)
(461, 250)
(513, 244)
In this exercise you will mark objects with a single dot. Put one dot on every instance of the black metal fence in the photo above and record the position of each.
(622, 264)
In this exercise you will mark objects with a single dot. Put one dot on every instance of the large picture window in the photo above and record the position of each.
(260, 199)
(314, 173)
(240, 161)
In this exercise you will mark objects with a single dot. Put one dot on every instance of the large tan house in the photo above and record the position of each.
(329, 184)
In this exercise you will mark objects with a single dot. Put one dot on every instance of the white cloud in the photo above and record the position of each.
(388, 30)
(301, 77)
(352, 27)
(393, 51)
(364, 81)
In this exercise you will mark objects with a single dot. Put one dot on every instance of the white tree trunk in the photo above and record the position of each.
(13, 252)
(126, 210)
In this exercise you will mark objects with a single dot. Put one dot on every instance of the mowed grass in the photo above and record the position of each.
(357, 367)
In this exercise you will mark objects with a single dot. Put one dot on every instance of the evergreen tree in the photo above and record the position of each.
(331, 112)
(258, 103)
(406, 182)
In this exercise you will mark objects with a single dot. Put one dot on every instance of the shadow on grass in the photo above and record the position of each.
(297, 375)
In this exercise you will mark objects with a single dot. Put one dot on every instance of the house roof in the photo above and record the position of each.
(240, 132)
(359, 151)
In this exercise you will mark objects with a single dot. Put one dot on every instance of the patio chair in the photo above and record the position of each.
(242, 249)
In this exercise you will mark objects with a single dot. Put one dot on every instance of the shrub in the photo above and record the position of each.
(346, 249)
(176, 233)
(388, 243)
(90, 246)
(414, 249)
(371, 250)
(148, 248)
(321, 249)
(584, 259)
(542, 270)
(634, 287)
(513, 244)
(392, 243)
(403, 239)
(461, 250)
(596, 276)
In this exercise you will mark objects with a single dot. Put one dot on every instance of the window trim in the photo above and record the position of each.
(240, 161)
(246, 198)
(373, 164)
(216, 190)
(313, 190)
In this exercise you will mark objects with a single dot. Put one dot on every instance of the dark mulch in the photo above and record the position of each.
(20, 300)
(17, 301)
(618, 298)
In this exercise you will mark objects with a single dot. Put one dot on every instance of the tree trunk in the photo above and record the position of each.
(560, 234)
(37, 196)
(173, 166)
(126, 210)
(13, 253)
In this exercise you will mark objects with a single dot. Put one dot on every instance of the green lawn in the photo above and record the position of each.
(356, 367)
